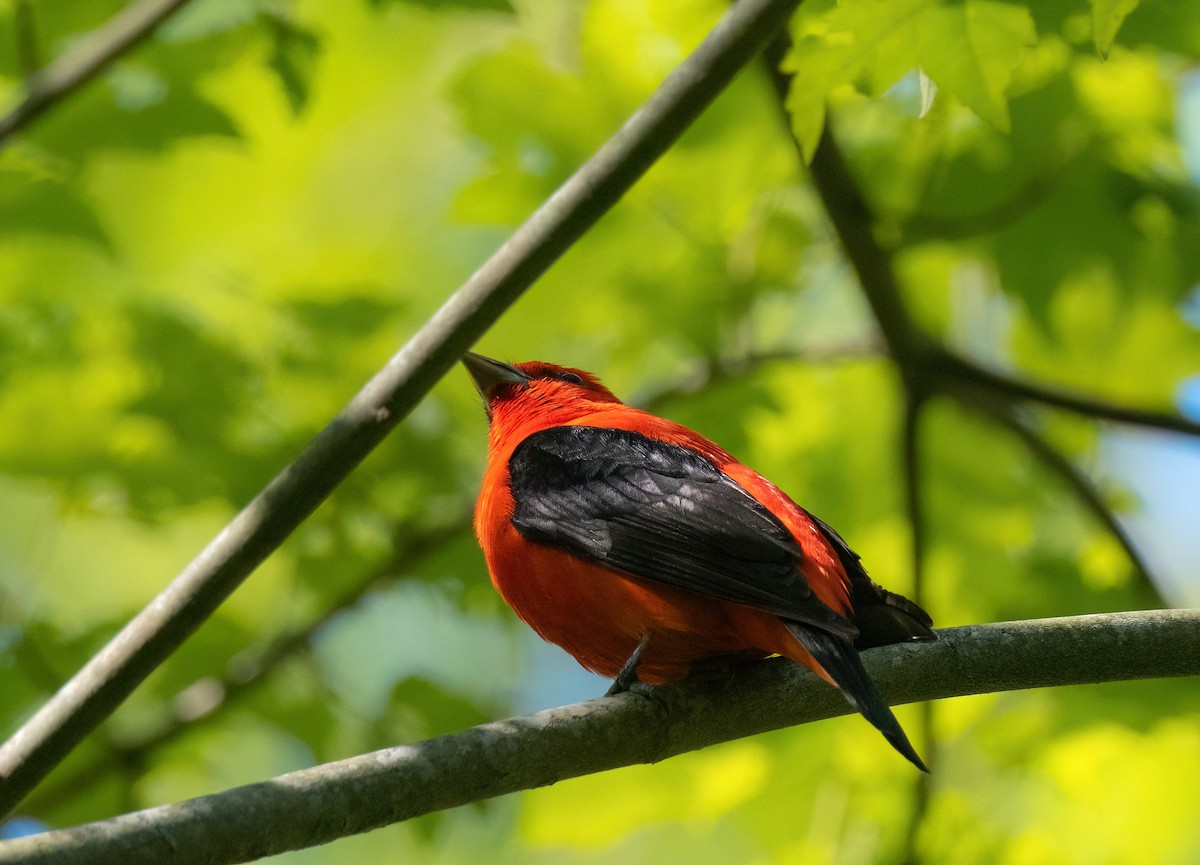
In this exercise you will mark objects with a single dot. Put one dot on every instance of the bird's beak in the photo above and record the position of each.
(490, 374)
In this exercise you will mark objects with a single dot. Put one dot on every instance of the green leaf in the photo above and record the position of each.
(1107, 17)
(970, 49)
(96, 119)
(195, 379)
(294, 53)
(44, 205)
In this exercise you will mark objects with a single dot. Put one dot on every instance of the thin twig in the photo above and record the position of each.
(711, 372)
(977, 385)
(318, 805)
(1084, 489)
(911, 459)
(263, 525)
(924, 227)
(90, 56)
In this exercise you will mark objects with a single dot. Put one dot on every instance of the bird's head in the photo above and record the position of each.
(535, 395)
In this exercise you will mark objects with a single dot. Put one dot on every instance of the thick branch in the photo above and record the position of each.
(264, 524)
(91, 55)
(317, 805)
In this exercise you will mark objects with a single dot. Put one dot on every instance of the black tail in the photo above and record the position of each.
(882, 617)
(841, 661)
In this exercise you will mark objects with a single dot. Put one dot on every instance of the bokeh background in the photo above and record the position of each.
(205, 252)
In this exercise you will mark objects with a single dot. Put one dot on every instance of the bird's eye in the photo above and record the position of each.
(569, 378)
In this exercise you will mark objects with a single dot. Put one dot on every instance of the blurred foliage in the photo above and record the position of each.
(207, 250)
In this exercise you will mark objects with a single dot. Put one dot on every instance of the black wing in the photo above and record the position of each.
(660, 512)
(882, 617)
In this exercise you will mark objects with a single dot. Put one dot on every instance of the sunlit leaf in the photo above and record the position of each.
(1107, 17)
(970, 49)
(973, 50)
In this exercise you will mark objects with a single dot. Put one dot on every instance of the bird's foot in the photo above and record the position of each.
(627, 676)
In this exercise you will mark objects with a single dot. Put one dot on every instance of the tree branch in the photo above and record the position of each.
(105, 681)
(974, 384)
(926, 367)
(90, 56)
(323, 803)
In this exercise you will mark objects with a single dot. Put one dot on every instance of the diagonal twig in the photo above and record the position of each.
(104, 682)
(1084, 489)
(245, 675)
(323, 803)
(90, 56)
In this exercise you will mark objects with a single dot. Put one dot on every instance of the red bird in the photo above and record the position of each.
(641, 547)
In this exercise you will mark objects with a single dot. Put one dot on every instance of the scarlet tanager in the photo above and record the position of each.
(641, 547)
